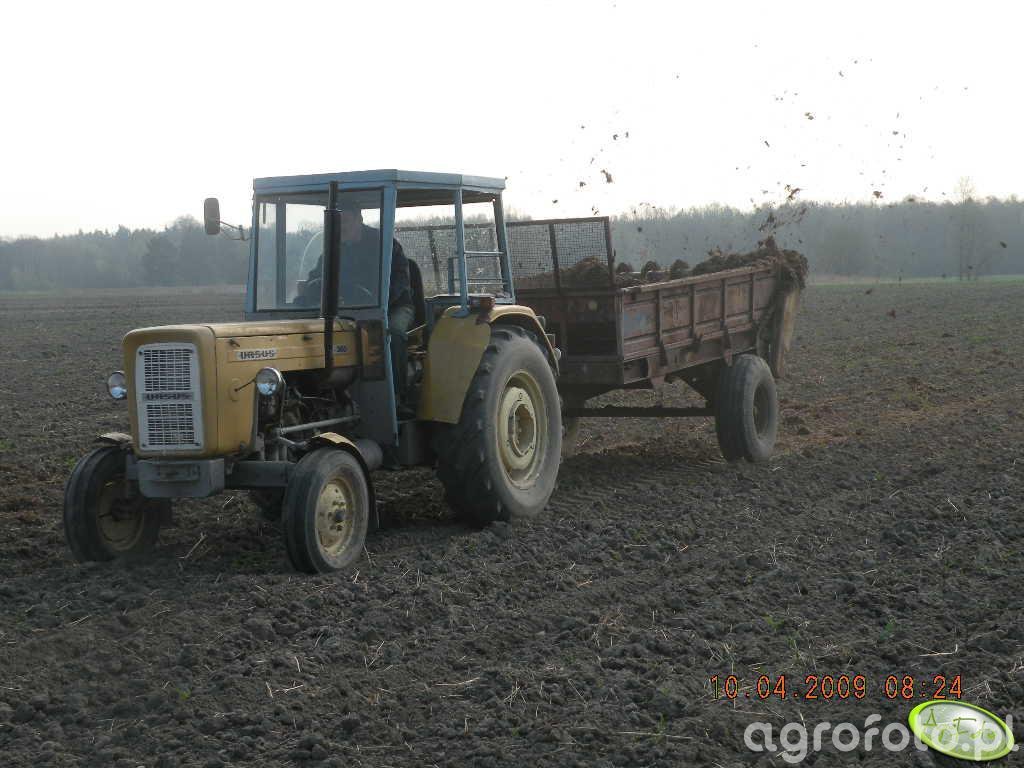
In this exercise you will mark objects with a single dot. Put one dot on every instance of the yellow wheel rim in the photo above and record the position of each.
(334, 511)
(522, 435)
(119, 518)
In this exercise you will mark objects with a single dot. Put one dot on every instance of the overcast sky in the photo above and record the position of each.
(131, 113)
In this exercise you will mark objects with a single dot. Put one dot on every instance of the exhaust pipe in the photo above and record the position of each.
(329, 289)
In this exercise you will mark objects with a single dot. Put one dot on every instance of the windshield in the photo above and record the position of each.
(290, 243)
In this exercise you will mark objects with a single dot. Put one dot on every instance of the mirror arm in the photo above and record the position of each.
(238, 228)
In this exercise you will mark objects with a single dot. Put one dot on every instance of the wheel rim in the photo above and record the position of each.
(762, 408)
(522, 440)
(120, 519)
(334, 511)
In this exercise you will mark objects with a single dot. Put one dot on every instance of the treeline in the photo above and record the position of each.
(909, 238)
(181, 254)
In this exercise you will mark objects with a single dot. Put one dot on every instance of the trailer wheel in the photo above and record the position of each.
(500, 461)
(747, 410)
(104, 517)
(326, 511)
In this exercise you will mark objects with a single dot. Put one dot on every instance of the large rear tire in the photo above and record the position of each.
(746, 410)
(105, 518)
(326, 511)
(500, 462)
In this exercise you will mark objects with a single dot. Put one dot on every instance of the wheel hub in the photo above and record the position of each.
(762, 408)
(520, 428)
(333, 522)
(119, 518)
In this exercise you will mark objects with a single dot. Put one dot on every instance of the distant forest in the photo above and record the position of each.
(873, 240)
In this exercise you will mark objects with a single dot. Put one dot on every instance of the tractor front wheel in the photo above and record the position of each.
(326, 511)
(105, 517)
(500, 461)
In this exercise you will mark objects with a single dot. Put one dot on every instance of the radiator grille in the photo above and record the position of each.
(168, 397)
(168, 369)
(170, 425)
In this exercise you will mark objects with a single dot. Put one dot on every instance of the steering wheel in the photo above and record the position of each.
(305, 251)
(362, 289)
(313, 289)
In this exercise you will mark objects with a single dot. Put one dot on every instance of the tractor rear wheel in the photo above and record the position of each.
(500, 461)
(746, 410)
(105, 518)
(326, 511)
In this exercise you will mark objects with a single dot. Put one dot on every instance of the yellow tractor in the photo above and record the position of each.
(342, 365)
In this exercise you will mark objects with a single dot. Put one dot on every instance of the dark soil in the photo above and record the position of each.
(884, 538)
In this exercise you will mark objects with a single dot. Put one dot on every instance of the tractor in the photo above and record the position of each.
(316, 389)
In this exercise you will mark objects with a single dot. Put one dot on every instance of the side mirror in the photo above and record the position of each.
(211, 215)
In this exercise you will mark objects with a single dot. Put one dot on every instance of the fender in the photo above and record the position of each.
(456, 346)
(342, 443)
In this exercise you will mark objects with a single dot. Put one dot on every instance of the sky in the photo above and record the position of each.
(131, 113)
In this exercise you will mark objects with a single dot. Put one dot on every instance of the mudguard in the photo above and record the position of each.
(334, 440)
(456, 346)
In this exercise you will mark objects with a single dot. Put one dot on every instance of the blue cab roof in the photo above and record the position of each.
(384, 177)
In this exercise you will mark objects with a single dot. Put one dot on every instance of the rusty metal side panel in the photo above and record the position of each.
(655, 330)
(679, 313)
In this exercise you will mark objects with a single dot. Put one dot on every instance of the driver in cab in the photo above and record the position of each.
(360, 260)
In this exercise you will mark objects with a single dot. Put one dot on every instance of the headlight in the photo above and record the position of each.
(117, 385)
(269, 381)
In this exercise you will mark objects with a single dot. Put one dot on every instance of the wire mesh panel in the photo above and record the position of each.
(415, 243)
(561, 253)
(544, 254)
(433, 249)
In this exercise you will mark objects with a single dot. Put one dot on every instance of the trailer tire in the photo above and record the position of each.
(746, 410)
(326, 511)
(103, 520)
(500, 461)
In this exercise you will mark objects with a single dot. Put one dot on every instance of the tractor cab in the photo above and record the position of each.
(451, 227)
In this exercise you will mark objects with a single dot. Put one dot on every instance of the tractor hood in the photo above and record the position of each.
(252, 328)
(191, 384)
